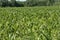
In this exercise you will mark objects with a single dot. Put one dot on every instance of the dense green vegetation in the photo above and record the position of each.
(30, 23)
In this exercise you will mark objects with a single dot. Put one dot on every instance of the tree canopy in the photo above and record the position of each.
(16, 3)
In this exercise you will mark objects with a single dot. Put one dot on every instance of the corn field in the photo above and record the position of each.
(30, 23)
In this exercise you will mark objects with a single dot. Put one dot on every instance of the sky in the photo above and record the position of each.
(20, 0)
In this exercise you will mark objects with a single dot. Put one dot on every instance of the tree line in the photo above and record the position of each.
(14, 3)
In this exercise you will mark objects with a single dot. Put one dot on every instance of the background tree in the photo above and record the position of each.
(51, 2)
(12, 2)
(37, 2)
(19, 4)
(4, 2)
(0, 2)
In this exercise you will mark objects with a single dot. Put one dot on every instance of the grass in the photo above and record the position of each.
(30, 23)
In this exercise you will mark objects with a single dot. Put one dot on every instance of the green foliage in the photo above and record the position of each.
(30, 23)
(14, 3)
